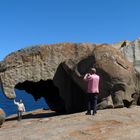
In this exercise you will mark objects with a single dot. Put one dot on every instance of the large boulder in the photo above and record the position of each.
(52, 72)
(131, 50)
(119, 79)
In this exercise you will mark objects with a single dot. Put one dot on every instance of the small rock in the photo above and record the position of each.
(2, 116)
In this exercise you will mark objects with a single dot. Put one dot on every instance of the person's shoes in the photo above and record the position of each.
(88, 113)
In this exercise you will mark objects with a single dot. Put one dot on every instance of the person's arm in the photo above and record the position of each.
(87, 77)
(16, 103)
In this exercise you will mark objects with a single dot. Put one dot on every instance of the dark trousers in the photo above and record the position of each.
(19, 113)
(92, 102)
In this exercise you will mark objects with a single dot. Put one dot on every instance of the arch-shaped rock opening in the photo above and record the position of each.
(64, 92)
(45, 89)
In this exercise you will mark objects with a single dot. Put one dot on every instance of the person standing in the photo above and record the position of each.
(92, 80)
(21, 109)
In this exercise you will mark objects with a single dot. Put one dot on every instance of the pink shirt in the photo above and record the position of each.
(93, 83)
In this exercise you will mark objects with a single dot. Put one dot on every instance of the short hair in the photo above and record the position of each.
(93, 70)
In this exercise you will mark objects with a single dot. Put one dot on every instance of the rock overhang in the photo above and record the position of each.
(58, 62)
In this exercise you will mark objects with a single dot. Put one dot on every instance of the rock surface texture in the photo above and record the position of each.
(52, 72)
(109, 124)
(2, 116)
(131, 51)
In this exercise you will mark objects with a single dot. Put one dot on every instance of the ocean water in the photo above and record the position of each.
(30, 104)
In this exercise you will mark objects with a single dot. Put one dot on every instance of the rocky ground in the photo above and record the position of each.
(109, 124)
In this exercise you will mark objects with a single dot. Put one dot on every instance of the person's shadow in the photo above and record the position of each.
(33, 115)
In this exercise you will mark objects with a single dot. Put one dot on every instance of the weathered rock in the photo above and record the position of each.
(2, 116)
(50, 71)
(131, 51)
(109, 124)
(118, 77)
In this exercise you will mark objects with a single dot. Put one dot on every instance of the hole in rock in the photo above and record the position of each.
(46, 90)
(28, 100)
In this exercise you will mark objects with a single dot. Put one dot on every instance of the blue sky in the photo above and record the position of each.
(25, 23)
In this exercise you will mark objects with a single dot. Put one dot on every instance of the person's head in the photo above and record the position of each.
(20, 101)
(93, 70)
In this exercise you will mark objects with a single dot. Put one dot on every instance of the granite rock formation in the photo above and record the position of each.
(131, 51)
(52, 72)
